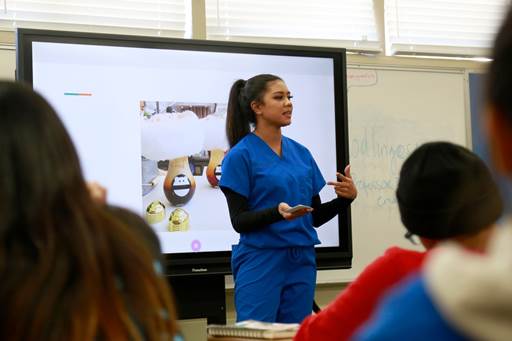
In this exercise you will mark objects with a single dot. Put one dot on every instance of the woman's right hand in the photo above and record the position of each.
(290, 216)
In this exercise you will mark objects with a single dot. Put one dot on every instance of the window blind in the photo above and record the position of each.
(348, 23)
(442, 27)
(164, 17)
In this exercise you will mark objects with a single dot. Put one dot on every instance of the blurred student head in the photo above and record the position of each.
(499, 101)
(445, 191)
(69, 270)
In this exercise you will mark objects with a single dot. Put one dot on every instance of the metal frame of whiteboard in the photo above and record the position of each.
(467, 72)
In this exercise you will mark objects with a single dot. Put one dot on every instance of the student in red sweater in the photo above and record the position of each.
(437, 183)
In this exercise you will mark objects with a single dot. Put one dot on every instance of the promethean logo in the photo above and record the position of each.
(200, 270)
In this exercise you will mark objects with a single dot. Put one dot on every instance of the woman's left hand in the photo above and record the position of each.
(345, 186)
(283, 210)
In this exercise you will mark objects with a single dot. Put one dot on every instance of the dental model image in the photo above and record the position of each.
(173, 137)
(182, 148)
(216, 143)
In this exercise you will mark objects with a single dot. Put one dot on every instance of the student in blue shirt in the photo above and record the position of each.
(263, 175)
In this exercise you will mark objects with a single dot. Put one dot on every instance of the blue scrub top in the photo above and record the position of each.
(252, 169)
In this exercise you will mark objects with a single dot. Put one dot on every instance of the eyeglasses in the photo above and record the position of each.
(411, 237)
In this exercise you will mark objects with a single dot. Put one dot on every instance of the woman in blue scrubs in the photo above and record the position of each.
(263, 175)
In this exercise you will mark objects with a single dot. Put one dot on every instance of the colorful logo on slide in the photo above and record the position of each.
(195, 245)
(77, 94)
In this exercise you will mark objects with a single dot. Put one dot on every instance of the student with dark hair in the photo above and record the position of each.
(263, 174)
(439, 200)
(462, 295)
(70, 267)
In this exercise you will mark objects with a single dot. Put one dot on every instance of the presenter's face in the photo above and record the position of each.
(276, 106)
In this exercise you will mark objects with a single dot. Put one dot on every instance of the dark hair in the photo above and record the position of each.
(445, 190)
(499, 78)
(70, 270)
(239, 112)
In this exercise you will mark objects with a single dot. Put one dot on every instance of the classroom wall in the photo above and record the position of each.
(7, 63)
(325, 292)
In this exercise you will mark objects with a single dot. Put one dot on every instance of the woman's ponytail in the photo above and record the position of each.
(237, 122)
(239, 112)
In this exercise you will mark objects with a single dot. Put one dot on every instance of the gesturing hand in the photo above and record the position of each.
(344, 187)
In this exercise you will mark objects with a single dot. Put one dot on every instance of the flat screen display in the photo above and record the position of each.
(147, 117)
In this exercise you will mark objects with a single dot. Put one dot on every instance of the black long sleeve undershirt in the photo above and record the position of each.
(323, 212)
(244, 220)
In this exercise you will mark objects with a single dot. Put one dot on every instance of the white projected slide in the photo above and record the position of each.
(149, 125)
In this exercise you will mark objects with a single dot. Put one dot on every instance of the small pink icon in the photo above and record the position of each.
(196, 245)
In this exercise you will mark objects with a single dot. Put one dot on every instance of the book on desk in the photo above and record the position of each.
(253, 330)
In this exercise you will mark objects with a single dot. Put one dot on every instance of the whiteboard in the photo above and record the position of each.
(390, 113)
